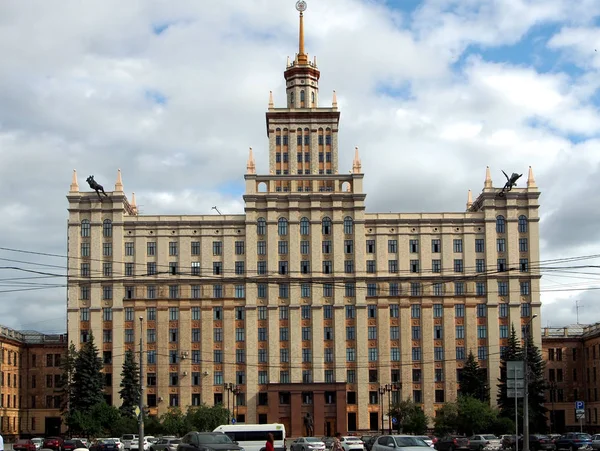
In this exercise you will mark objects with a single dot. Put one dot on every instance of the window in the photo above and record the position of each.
(481, 332)
(173, 248)
(480, 265)
(195, 248)
(481, 310)
(239, 248)
(217, 248)
(501, 245)
(393, 266)
(458, 245)
(415, 311)
(129, 249)
(414, 266)
(523, 245)
(348, 225)
(107, 228)
(525, 289)
(460, 332)
(436, 246)
(416, 353)
(458, 265)
(480, 288)
(370, 246)
(348, 246)
(438, 310)
(523, 224)
(438, 289)
(392, 246)
(525, 310)
(413, 246)
(500, 224)
(326, 226)
(371, 265)
(282, 247)
(459, 311)
(151, 248)
(436, 266)
(479, 245)
(503, 310)
(501, 265)
(524, 265)
(437, 332)
(261, 226)
(304, 226)
(415, 289)
(85, 228)
(482, 352)
(393, 289)
(502, 288)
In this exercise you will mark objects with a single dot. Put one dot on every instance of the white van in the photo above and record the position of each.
(253, 437)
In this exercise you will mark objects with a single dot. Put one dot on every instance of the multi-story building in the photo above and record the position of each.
(306, 302)
(30, 370)
(572, 356)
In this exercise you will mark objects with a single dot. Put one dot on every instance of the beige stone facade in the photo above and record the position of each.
(30, 372)
(305, 289)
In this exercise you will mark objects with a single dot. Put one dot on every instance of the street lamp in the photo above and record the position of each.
(381, 393)
(526, 398)
(552, 388)
(229, 387)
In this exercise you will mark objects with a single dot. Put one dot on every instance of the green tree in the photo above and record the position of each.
(468, 415)
(446, 419)
(88, 379)
(473, 382)
(409, 416)
(65, 386)
(512, 352)
(175, 422)
(130, 385)
(204, 418)
(537, 386)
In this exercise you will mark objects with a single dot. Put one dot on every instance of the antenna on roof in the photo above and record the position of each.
(217, 210)
(577, 310)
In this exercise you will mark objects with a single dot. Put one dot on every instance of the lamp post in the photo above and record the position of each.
(381, 393)
(229, 388)
(392, 388)
(236, 392)
(552, 388)
(526, 398)
(141, 401)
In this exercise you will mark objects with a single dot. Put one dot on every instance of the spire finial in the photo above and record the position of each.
(302, 56)
(356, 164)
(530, 179)
(251, 165)
(334, 101)
(119, 182)
(133, 204)
(74, 184)
(271, 104)
(469, 199)
(488, 178)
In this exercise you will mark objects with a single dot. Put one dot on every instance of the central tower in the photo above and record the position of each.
(303, 137)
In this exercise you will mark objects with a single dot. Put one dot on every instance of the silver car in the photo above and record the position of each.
(399, 442)
(308, 444)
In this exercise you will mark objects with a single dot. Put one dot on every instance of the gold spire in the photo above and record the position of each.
(356, 164)
(271, 104)
(74, 184)
(469, 199)
(302, 56)
(119, 182)
(251, 165)
(488, 178)
(334, 101)
(530, 179)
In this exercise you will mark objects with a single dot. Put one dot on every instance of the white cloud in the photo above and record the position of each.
(80, 84)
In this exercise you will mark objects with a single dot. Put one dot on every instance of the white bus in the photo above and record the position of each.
(253, 437)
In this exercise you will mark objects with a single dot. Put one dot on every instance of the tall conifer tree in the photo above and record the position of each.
(88, 380)
(130, 385)
(512, 352)
(473, 382)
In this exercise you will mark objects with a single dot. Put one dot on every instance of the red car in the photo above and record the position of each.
(70, 445)
(24, 445)
(54, 443)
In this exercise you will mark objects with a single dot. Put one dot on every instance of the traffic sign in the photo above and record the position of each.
(394, 420)
(233, 421)
(515, 393)
(579, 416)
(137, 411)
(579, 405)
(515, 383)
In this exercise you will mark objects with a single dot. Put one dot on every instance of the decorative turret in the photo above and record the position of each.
(488, 178)
(469, 200)
(119, 182)
(271, 103)
(530, 179)
(133, 204)
(334, 101)
(251, 165)
(356, 164)
(74, 184)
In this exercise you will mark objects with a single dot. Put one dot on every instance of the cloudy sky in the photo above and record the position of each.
(174, 93)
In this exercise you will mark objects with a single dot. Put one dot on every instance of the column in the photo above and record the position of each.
(362, 353)
(427, 355)
(252, 365)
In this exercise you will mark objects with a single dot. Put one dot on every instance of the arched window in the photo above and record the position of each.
(348, 225)
(304, 226)
(261, 226)
(292, 98)
(523, 225)
(301, 96)
(500, 224)
(107, 228)
(85, 228)
(326, 225)
(282, 226)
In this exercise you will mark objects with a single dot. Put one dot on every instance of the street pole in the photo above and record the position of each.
(141, 402)
(526, 377)
(516, 412)
(389, 391)
(552, 395)
(381, 393)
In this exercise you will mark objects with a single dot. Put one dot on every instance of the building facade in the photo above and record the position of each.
(306, 302)
(572, 356)
(30, 374)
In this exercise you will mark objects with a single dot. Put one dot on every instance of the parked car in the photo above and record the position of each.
(507, 441)
(478, 442)
(208, 441)
(452, 443)
(165, 444)
(400, 442)
(126, 439)
(351, 443)
(328, 442)
(54, 443)
(307, 444)
(24, 445)
(596, 441)
(38, 442)
(426, 439)
(104, 444)
(573, 441)
(538, 443)
(369, 440)
(72, 445)
(135, 445)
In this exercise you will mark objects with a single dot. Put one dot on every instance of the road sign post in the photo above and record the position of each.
(515, 388)
(580, 413)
